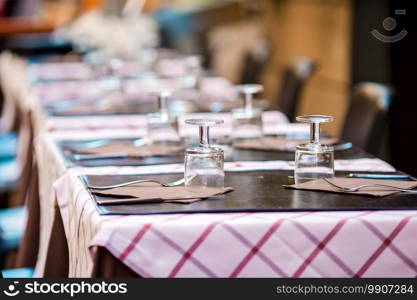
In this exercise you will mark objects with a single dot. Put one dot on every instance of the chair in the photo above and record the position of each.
(8, 138)
(16, 165)
(12, 224)
(366, 120)
(17, 273)
(255, 62)
(294, 78)
(8, 146)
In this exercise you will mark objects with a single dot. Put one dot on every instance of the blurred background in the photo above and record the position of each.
(323, 47)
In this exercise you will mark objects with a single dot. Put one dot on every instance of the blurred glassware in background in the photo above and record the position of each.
(247, 121)
(162, 126)
(194, 71)
(204, 165)
(129, 36)
(313, 160)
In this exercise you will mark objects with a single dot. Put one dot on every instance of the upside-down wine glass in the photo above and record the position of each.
(247, 121)
(162, 127)
(204, 164)
(313, 160)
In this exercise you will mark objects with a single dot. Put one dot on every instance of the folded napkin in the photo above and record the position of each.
(153, 192)
(322, 185)
(128, 149)
(276, 143)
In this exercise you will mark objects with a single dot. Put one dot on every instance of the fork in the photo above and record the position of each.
(101, 142)
(359, 187)
(166, 184)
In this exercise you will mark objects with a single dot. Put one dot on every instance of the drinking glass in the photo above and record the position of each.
(162, 127)
(193, 71)
(313, 160)
(247, 121)
(204, 165)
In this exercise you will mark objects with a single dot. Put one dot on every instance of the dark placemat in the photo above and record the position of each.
(236, 155)
(254, 191)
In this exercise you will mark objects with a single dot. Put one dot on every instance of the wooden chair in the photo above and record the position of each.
(367, 117)
(255, 62)
(293, 81)
(12, 80)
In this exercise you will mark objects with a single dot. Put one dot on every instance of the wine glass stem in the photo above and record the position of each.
(204, 136)
(315, 133)
(248, 102)
(162, 105)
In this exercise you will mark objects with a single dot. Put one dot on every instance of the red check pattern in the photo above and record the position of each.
(315, 244)
(281, 244)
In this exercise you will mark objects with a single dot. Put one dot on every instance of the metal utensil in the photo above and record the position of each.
(94, 143)
(101, 142)
(379, 176)
(81, 156)
(166, 184)
(343, 146)
(359, 187)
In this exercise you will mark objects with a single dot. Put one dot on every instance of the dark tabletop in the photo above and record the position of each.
(254, 191)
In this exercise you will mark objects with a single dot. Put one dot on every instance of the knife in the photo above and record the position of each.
(379, 176)
(151, 200)
(80, 157)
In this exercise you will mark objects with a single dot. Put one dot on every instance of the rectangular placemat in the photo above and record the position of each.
(254, 191)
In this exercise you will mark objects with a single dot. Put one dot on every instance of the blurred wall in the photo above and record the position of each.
(320, 29)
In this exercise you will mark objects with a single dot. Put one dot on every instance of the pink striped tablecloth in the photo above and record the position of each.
(60, 71)
(279, 244)
(90, 127)
(319, 244)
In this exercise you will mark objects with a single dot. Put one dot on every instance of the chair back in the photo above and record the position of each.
(294, 78)
(255, 62)
(367, 117)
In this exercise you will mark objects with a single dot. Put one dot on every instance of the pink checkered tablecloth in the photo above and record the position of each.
(60, 71)
(279, 244)
(319, 244)
(276, 244)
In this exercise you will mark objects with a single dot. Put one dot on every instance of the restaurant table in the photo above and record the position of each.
(76, 241)
(162, 251)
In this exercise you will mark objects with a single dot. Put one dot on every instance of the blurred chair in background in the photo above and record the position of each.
(16, 174)
(293, 81)
(255, 62)
(367, 118)
(8, 136)
(230, 46)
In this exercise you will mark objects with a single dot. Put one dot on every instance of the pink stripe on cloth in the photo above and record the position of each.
(50, 92)
(96, 122)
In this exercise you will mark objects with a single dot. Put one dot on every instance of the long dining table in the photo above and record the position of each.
(306, 234)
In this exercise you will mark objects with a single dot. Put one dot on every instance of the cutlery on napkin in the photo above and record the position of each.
(126, 149)
(276, 143)
(150, 192)
(322, 185)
